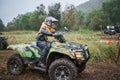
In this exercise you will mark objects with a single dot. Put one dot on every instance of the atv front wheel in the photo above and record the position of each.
(81, 67)
(15, 65)
(62, 69)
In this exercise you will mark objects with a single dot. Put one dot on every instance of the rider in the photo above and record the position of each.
(47, 29)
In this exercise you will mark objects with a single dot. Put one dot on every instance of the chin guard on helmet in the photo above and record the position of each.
(50, 20)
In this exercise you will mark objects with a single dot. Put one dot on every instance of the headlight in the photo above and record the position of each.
(78, 55)
(85, 47)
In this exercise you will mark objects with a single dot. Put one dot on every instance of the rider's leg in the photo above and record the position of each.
(44, 51)
(44, 55)
(43, 46)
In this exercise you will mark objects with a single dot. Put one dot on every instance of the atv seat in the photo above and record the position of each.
(36, 47)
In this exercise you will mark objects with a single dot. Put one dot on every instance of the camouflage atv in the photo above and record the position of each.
(64, 60)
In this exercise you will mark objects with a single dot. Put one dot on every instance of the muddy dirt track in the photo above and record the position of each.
(92, 72)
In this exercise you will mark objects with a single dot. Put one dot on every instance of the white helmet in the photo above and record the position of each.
(49, 20)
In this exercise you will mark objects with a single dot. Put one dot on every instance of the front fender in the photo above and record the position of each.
(63, 51)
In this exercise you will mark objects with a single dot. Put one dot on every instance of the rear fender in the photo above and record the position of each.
(24, 52)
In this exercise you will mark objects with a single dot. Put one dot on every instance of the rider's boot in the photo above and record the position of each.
(32, 63)
(41, 64)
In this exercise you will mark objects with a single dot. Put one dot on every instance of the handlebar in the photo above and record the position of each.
(59, 33)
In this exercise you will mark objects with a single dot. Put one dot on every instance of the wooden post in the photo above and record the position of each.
(118, 45)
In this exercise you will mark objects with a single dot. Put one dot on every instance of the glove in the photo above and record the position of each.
(55, 34)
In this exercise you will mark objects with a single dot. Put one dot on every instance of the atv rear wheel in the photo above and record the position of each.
(62, 69)
(15, 65)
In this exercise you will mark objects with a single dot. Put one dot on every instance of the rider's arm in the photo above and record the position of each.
(45, 32)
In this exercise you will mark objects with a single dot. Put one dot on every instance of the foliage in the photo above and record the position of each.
(80, 16)
(55, 10)
(112, 9)
(90, 5)
(41, 10)
(69, 17)
(97, 20)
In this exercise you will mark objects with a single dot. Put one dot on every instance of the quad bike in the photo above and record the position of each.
(63, 62)
(110, 30)
(3, 42)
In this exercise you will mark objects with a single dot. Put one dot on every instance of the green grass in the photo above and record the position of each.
(86, 31)
(17, 37)
(100, 51)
